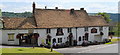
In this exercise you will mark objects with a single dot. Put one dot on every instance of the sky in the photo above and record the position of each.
(91, 6)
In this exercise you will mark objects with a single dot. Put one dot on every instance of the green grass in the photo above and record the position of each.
(113, 41)
(29, 51)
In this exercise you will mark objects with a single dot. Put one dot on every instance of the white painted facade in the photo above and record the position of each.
(43, 35)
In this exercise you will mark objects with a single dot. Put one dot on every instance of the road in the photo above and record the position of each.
(111, 48)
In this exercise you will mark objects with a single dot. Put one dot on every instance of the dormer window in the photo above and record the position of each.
(69, 30)
(48, 31)
(59, 31)
(86, 29)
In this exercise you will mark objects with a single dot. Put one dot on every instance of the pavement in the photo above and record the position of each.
(111, 48)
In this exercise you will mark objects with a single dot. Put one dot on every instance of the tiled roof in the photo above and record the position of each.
(55, 18)
(14, 23)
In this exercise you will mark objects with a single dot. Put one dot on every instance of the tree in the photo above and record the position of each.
(105, 16)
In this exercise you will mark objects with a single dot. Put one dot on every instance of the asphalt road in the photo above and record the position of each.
(111, 48)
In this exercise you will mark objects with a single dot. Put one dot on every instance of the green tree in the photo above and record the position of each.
(105, 16)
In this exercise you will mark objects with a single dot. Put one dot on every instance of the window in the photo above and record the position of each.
(86, 36)
(86, 28)
(48, 31)
(93, 30)
(11, 37)
(48, 40)
(59, 31)
(69, 30)
(80, 38)
(83, 38)
(101, 28)
(54, 40)
(59, 40)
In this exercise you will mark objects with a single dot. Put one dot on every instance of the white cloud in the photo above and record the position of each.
(101, 8)
(21, 9)
(2, 6)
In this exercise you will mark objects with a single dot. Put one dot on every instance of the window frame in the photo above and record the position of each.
(86, 29)
(59, 32)
(59, 40)
(11, 36)
(69, 30)
(48, 30)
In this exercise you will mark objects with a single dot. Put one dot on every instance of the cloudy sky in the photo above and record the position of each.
(92, 6)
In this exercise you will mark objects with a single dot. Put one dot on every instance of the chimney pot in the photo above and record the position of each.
(56, 7)
(81, 8)
(45, 7)
(72, 11)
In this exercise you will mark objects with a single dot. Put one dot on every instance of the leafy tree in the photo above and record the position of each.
(105, 16)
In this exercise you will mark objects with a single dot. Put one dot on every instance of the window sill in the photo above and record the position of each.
(10, 40)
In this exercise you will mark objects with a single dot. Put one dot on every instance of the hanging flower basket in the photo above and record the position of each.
(70, 35)
(19, 35)
(36, 35)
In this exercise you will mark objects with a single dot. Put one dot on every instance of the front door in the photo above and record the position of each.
(70, 40)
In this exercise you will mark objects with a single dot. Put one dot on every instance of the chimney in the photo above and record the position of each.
(72, 11)
(33, 5)
(81, 8)
(45, 7)
(56, 7)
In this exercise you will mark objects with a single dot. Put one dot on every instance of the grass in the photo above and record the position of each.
(113, 41)
(29, 51)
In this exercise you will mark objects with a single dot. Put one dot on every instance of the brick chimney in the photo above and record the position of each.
(81, 8)
(56, 7)
(72, 11)
(45, 7)
(33, 5)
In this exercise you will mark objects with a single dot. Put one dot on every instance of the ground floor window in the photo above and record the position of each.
(59, 40)
(11, 37)
(85, 38)
(48, 40)
(54, 40)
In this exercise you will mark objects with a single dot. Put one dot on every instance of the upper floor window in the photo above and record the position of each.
(11, 37)
(59, 31)
(93, 30)
(86, 28)
(101, 28)
(48, 31)
(69, 30)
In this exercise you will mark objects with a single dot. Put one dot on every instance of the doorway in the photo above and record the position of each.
(28, 39)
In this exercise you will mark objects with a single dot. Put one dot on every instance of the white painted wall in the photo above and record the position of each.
(80, 32)
(43, 35)
(5, 36)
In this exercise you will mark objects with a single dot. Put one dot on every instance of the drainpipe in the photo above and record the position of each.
(76, 33)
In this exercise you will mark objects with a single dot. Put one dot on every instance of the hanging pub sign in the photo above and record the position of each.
(19, 35)
(93, 30)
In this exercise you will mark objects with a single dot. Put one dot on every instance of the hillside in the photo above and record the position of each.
(12, 14)
(113, 16)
